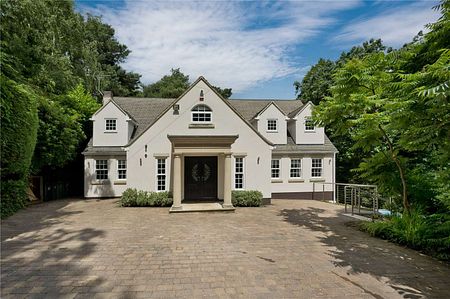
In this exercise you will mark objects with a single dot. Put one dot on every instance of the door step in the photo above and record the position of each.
(201, 207)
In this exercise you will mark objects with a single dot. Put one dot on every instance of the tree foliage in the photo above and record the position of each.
(224, 92)
(317, 82)
(315, 86)
(397, 114)
(173, 86)
(169, 86)
(19, 123)
(53, 60)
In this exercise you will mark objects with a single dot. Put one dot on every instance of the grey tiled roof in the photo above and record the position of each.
(102, 150)
(292, 148)
(250, 108)
(145, 111)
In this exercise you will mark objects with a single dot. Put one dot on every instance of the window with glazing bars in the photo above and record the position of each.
(161, 175)
(101, 169)
(271, 125)
(110, 124)
(275, 168)
(122, 169)
(316, 168)
(201, 113)
(296, 168)
(239, 173)
(309, 124)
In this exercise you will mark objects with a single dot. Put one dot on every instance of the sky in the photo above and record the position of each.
(257, 48)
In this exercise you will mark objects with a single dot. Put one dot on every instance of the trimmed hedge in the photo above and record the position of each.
(13, 196)
(19, 125)
(137, 198)
(250, 198)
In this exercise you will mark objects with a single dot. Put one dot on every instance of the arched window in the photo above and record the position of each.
(201, 113)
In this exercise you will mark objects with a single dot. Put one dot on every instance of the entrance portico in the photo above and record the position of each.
(197, 153)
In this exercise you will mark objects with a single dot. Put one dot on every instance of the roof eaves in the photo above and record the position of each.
(266, 107)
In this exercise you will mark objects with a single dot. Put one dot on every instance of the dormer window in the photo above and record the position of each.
(272, 125)
(201, 114)
(309, 124)
(111, 125)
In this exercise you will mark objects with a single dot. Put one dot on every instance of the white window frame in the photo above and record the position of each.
(268, 125)
(121, 169)
(278, 168)
(239, 172)
(307, 126)
(315, 167)
(105, 167)
(201, 113)
(163, 174)
(108, 128)
(298, 167)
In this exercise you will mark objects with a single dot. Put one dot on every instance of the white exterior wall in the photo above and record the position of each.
(305, 183)
(226, 122)
(272, 112)
(112, 187)
(304, 137)
(121, 136)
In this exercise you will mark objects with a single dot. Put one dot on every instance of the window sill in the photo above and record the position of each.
(201, 126)
(306, 131)
(271, 131)
(277, 180)
(120, 182)
(317, 180)
(100, 182)
(109, 132)
(295, 180)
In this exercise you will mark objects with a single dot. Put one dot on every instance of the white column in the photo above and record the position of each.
(176, 182)
(227, 182)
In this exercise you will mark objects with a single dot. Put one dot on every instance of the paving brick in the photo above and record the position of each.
(290, 249)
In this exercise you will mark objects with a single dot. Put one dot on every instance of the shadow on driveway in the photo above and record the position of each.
(39, 254)
(411, 274)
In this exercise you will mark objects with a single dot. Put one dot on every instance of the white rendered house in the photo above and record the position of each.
(201, 146)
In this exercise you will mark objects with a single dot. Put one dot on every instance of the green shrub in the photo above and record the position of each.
(13, 196)
(19, 124)
(430, 234)
(138, 198)
(248, 198)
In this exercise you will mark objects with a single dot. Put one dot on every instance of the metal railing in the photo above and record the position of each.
(362, 199)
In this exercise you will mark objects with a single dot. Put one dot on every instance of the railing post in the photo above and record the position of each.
(359, 201)
(352, 198)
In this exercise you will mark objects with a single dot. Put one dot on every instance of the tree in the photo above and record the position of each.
(173, 86)
(395, 109)
(105, 73)
(360, 106)
(367, 47)
(315, 86)
(53, 60)
(317, 82)
(169, 86)
(225, 92)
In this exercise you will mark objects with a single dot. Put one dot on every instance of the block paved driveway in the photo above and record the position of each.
(296, 249)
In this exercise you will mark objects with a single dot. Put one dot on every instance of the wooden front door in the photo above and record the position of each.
(200, 178)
